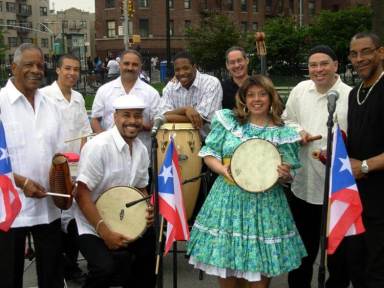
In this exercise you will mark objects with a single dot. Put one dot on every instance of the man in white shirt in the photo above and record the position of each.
(113, 68)
(33, 133)
(194, 97)
(115, 158)
(126, 85)
(306, 109)
(75, 124)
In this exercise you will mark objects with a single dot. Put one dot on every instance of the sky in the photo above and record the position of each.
(87, 5)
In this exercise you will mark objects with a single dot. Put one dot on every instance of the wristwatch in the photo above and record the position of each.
(364, 167)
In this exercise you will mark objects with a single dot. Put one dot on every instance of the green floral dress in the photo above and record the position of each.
(241, 234)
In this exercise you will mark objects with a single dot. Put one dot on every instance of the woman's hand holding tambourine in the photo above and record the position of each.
(226, 172)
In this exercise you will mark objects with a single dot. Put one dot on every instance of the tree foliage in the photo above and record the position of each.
(208, 42)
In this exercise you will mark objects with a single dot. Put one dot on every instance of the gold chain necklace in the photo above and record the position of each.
(369, 91)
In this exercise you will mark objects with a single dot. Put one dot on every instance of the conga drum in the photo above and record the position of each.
(254, 165)
(188, 144)
(130, 221)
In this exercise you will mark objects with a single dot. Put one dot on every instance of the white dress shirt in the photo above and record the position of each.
(106, 162)
(306, 109)
(75, 119)
(33, 136)
(205, 96)
(102, 105)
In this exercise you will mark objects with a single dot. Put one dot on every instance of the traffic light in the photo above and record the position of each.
(131, 9)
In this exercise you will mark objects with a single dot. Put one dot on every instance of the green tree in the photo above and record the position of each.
(208, 42)
(336, 28)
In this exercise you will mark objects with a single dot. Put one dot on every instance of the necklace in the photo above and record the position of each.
(369, 91)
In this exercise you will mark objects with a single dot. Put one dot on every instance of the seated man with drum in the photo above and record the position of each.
(116, 159)
(239, 235)
(193, 97)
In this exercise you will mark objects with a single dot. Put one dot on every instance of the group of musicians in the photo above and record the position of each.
(243, 238)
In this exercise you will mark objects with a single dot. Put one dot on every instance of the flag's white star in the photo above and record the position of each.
(345, 164)
(4, 154)
(166, 173)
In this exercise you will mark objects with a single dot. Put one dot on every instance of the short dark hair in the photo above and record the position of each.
(66, 56)
(184, 55)
(235, 48)
(132, 51)
(374, 37)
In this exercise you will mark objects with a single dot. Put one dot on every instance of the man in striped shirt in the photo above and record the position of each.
(193, 97)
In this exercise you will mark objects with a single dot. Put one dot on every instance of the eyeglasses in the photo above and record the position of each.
(367, 52)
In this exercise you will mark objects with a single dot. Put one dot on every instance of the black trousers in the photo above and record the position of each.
(70, 248)
(308, 221)
(47, 244)
(131, 267)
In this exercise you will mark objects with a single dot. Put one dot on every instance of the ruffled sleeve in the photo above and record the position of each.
(289, 149)
(222, 122)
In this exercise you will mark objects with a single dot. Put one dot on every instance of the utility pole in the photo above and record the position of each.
(168, 39)
(125, 24)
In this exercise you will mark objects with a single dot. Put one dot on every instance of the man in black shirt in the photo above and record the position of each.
(236, 61)
(365, 146)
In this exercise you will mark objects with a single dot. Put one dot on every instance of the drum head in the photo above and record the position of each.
(254, 165)
(130, 221)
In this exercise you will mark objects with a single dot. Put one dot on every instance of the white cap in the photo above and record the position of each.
(128, 102)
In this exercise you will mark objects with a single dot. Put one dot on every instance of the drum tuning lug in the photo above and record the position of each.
(121, 214)
(192, 145)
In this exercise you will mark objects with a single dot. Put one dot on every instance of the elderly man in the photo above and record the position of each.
(126, 85)
(115, 158)
(32, 126)
(236, 61)
(193, 97)
(306, 108)
(365, 145)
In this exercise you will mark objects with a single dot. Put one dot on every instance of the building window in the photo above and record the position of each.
(111, 29)
(205, 4)
(171, 28)
(254, 6)
(144, 27)
(1, 6)
(11, 24)
(171, 4)
(44, 42)
(311, 7)
(12, 41)
(144, 3)
(109, 3)
(44, 27)
(83, 23)
(254, 26)
(268, 6)
(43, 11)
(11, 7)
(187, 4)
(244, 26)
(229, 5)
(243, 5)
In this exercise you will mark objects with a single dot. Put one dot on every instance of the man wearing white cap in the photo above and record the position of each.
(115, 158)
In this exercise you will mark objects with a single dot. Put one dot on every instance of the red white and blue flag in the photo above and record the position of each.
(10, 203)
(171, 204)
(345, 206)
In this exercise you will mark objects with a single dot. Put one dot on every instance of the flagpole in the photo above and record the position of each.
(324, 222)
(158, 223)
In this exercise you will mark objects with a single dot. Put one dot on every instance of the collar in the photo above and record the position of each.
(194, 84)
(119, 141)
(312, 86)
(15, 94)
(117, 83)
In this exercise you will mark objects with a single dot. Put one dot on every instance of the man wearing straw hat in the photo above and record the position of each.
(113, 158)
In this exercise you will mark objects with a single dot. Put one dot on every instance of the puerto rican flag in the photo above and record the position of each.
(345, 206)
(10, 203)
(171, 204)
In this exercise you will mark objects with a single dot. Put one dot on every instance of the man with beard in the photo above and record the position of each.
(193, 97)
(33, 134)
(236, 61)
(126, 85)
(115, 158)
(75, 124)
(365, 145)
(306, 109)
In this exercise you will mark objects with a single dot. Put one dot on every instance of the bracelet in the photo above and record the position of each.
(25, 183)
(98, 225)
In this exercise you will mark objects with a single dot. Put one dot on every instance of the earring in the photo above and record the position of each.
(245, 110)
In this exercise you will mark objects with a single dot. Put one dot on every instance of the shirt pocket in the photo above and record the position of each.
(15, 137)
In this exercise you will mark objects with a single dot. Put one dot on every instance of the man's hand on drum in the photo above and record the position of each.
(113, 240)
(284, 173)
(150, 217)
(34, 189)
(194, 117)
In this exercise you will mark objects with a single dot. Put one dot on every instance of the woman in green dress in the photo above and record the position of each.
(242, 236)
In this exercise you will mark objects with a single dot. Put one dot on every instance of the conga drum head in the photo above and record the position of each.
(129, 222)
(254, 165)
